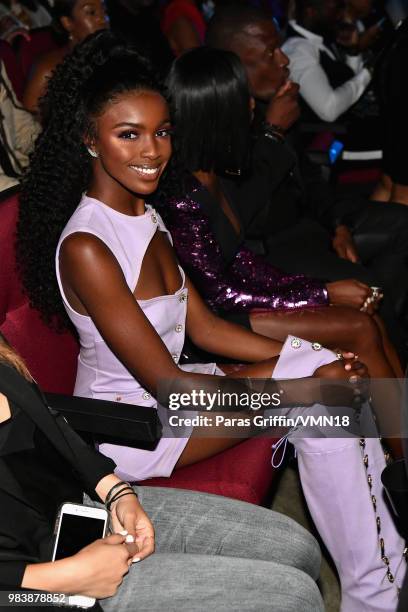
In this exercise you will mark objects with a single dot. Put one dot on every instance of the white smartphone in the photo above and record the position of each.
(76, 527)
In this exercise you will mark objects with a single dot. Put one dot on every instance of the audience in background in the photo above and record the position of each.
(183, 24)
(17, 133)
(74, 20)
(18, 17)
(357, 15)
(328, 86)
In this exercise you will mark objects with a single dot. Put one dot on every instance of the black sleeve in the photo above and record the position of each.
(319, 200)
(272, 162)
(12, 573)
(90, 465)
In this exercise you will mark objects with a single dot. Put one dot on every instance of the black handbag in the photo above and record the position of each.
(114, 422)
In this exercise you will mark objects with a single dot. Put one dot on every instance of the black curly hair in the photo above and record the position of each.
(98, 70)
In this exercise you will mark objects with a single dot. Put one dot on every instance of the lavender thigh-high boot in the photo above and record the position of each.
(342, 486)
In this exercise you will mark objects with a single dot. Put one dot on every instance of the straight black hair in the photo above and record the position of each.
(210, 104)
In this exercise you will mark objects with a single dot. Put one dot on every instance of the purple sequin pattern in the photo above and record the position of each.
(248, 282)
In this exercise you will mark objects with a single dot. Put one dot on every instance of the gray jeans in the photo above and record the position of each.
(218, 554)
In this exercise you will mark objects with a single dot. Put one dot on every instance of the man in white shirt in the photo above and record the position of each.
(327, 85)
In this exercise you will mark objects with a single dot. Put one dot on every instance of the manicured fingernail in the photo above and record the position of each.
(129, 539)
(347, 366)
(124, 532)
(135, 560)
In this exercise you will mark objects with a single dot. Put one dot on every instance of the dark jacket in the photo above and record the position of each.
(288, 189)
(20, 520)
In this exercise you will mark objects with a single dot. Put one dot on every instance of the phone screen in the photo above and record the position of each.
(76, 532)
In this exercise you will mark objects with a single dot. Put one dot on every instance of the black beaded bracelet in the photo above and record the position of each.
(118, 496)
(109, 494)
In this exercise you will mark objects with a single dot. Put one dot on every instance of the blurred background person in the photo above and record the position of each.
(183, 24)
(17, 17)
(73, 20)
(17, 132)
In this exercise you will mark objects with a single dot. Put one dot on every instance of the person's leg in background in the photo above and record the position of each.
(380, 232)
(220, 554)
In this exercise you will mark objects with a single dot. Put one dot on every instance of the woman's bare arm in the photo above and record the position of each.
(38, 81)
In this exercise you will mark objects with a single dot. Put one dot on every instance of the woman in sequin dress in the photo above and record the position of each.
(209, 92)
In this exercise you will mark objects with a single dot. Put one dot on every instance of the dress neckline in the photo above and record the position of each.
(148, 209)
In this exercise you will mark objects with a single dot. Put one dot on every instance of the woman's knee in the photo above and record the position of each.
(365, 331)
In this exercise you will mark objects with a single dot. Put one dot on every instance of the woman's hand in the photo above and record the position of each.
(343, 369)
(352, 293)
(349, 369)
(344, 245)
(127, 515)
(95, 571)
(101, 566)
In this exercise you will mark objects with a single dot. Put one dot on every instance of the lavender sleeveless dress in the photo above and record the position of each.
(100, 374)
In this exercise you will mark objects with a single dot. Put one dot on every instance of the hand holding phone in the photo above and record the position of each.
(97, 562)
(101, 566)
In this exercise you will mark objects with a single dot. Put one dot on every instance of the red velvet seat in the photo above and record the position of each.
(243, 472)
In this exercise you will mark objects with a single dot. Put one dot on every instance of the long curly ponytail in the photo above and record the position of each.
(98, 70)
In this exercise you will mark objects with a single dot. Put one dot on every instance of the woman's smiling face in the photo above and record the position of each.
(133, 142)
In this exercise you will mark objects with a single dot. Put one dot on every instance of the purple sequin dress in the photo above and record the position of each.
(244, 283)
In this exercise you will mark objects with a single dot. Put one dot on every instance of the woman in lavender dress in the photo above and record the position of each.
(131, 302)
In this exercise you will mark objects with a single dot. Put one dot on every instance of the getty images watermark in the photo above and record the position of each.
(206, 400)
(240, 407)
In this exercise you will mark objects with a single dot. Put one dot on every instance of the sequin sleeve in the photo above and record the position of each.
(248, 283)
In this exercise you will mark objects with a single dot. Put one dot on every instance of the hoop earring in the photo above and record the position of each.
(91, 152)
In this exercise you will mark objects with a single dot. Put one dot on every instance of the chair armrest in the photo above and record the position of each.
(116, 422)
